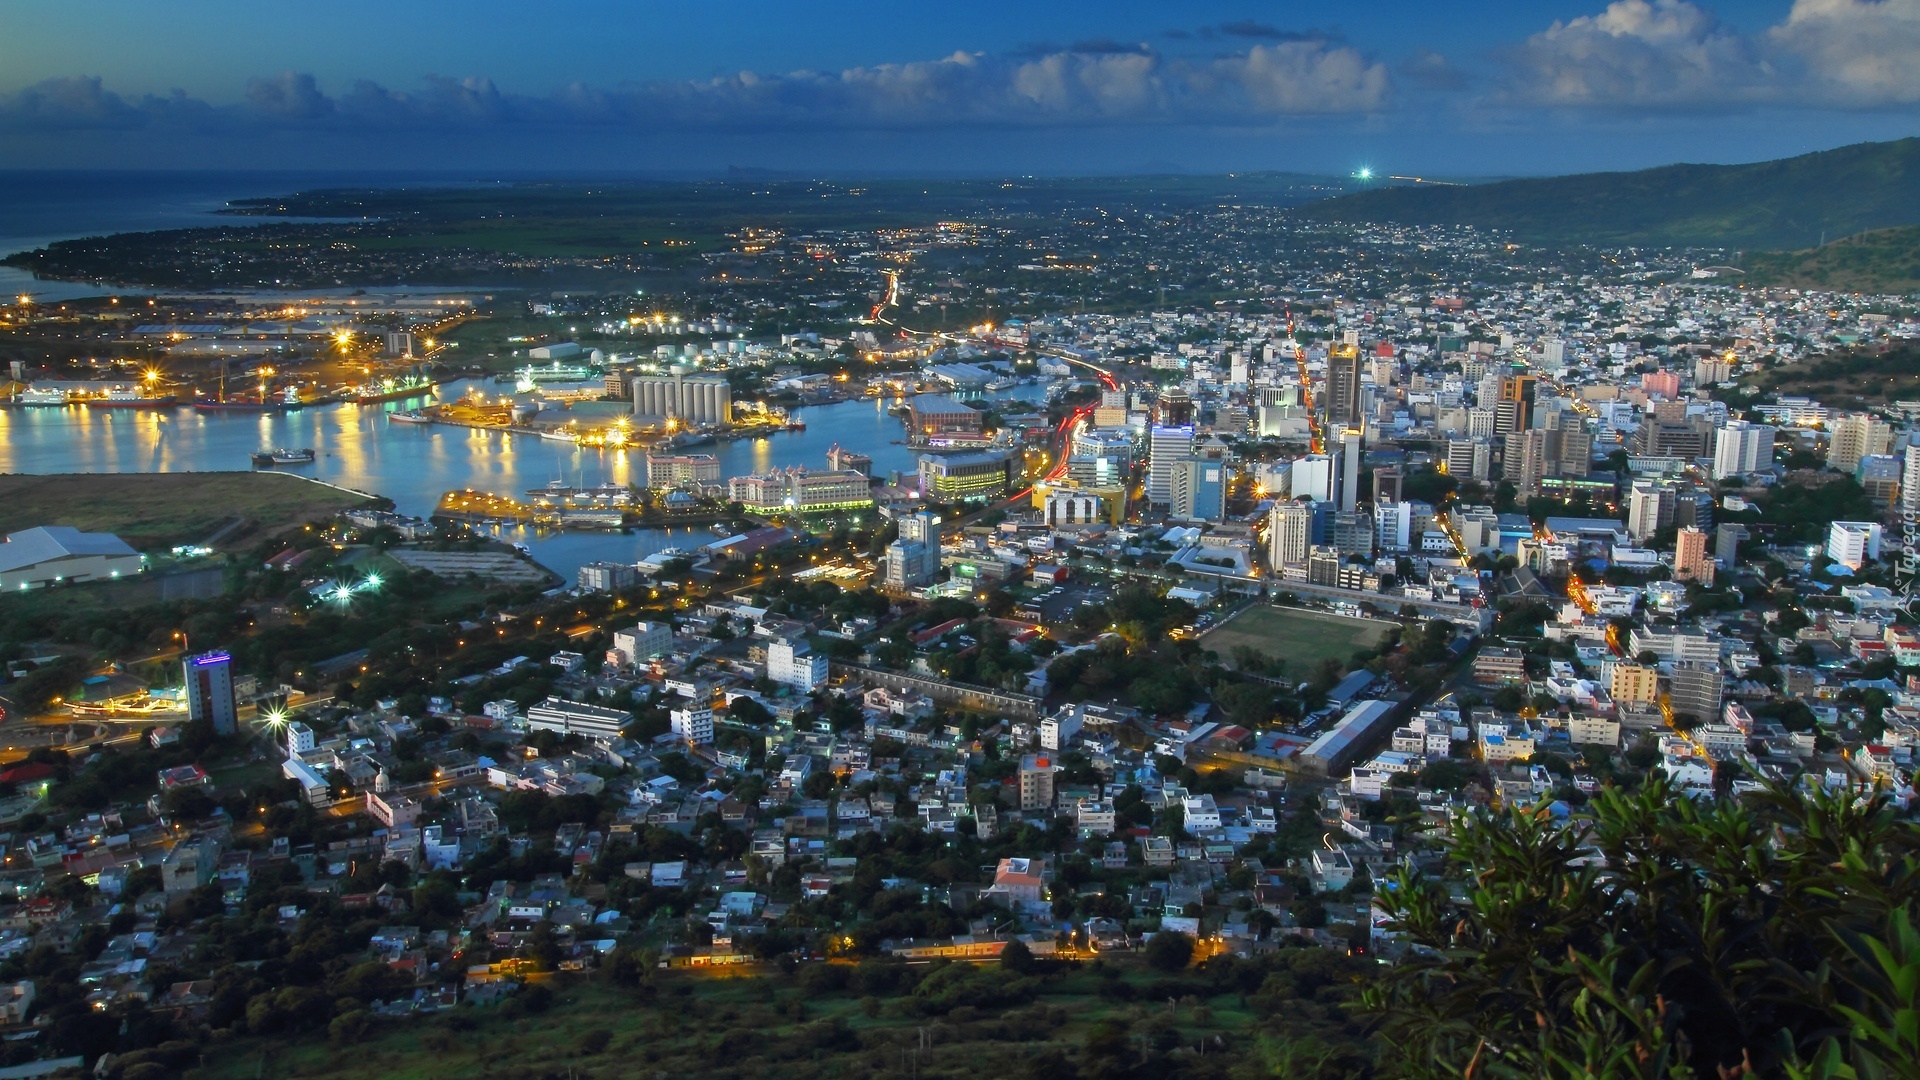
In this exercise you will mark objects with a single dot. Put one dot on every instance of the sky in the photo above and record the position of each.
(1407, 87)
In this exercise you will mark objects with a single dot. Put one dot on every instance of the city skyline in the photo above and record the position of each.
(1390, 87)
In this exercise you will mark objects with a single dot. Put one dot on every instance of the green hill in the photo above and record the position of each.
(1881, 261)
(1770, 205)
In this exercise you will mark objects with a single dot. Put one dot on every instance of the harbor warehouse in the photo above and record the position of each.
(937, 414)
(35, 558)
(1343, 742)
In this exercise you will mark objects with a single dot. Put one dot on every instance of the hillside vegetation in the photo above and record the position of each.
(1793, 203)
(1881, 261)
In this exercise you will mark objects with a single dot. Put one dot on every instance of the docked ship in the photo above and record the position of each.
(288, 399)
(554, 372)
(390, 388)
(559, 435)
(122, 398)
(34, 395)
(411, 416)
(283, 456)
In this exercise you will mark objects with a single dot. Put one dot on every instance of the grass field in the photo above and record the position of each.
(687, 1024)
(1300, 637)
(151, 510)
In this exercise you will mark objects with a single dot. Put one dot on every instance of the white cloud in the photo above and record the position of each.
(1664, 53)
(1675, 54)
(1072, 87)
(1856, 52)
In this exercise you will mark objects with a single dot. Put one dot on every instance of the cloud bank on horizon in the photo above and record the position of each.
(1634, 57)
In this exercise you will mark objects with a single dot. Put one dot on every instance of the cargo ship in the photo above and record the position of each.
(283, 456)
(413, 384)
(129, 399)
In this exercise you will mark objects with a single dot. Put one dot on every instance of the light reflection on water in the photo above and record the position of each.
(415, 464)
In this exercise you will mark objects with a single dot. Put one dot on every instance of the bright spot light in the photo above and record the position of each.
(1366, 173)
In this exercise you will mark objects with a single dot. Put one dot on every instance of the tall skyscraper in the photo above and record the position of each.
(210, 690)
(1167, 447)
(1514, 411)
(1343, 385)
(1525, 464)
(1350, 454)
(1289, 534)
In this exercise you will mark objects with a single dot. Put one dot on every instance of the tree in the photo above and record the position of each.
(1773, 934)
(1017, 958)
(1169, 950)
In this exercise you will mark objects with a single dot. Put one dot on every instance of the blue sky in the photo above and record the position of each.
(1493, 87)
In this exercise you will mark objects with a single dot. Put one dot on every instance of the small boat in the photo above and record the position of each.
(411, 416)
(284, 456)
(560, 436)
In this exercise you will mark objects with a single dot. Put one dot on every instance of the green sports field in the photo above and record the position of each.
(1300, 637)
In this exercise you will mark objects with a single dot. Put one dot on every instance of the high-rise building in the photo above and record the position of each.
(795, 664)
(1470, 458)
(1741, 448)
(683, 398)
(1289, 534)
(1853, 544)
(1697, 689)
(1393, 525)
(1854, 436)
(1649, 508)
(1350, 455)
(1386, 484)
(1313, 477)
(1166, 448)
(913, 559)
(1352, 533)
(1525, 464)
(1910, 483)
(1176, 408)
(694, 724)
(1518, 389)
(1632, 684)
(1342, 404)
(210, 691)
(1726, 542)
(1690, 561)
(1200, 489)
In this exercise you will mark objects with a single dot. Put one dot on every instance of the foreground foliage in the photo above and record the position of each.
(1672, 939)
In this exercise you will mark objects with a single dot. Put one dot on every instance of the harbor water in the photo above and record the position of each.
(415, 464)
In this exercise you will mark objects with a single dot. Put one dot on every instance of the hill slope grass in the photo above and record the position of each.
(1881, 261)
(1770, 205)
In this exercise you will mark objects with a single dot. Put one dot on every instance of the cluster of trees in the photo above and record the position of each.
(1672, 938)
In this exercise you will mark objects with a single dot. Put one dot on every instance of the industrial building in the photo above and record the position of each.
(57, 554)
(683, 398)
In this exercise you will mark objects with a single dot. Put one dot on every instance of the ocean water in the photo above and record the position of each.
(38, 207)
